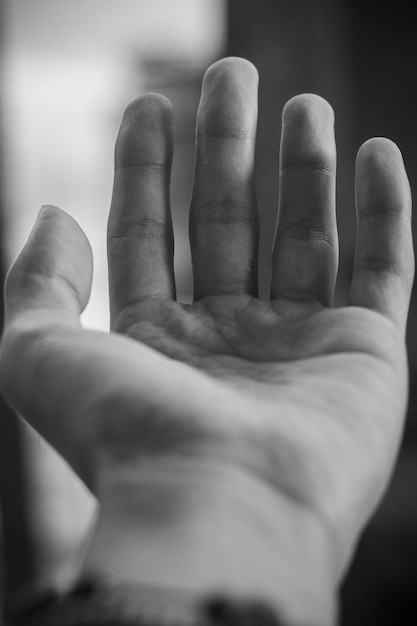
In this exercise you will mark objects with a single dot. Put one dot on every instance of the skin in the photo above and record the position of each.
(285, 414)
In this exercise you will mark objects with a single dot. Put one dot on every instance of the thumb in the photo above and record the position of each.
(50, 281)
(47, 288)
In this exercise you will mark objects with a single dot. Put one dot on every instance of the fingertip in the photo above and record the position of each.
(145, 134)
(229, 99)
(60, 229)
(149, 104)
(381, 177)
(377, 146)
(380, 154)
(307, 108)
(54, 268)
(51, 216)
(308, 134)
(232, 68)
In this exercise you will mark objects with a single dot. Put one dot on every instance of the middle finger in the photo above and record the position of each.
(223, 214)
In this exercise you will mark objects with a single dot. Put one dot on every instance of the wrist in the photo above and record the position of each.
(208, 528)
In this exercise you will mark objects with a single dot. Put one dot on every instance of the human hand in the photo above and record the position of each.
(293, 405)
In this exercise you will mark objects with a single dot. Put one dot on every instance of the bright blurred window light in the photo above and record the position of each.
(69, 69)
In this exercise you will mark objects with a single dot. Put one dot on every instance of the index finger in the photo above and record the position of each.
(140, 232)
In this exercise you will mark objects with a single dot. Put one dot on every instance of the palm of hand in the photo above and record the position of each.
(313, 391)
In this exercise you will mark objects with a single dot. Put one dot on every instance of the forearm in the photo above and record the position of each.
(210, 529)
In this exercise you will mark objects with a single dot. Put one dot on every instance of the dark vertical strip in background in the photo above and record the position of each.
(16, 563)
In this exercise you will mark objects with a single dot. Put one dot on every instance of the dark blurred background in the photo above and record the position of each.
(67, 71)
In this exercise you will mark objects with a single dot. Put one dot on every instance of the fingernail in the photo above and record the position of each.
(47, 208)
(39, 218)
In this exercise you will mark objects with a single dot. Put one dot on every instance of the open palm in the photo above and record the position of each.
(307, 398)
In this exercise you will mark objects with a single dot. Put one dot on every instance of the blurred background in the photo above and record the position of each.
(68, 68)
